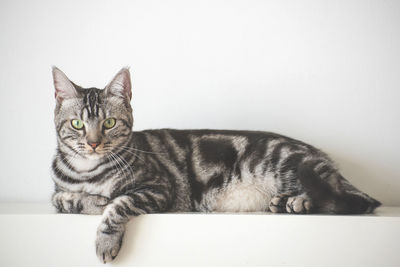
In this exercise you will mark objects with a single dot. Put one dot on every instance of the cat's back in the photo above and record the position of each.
(217, 141)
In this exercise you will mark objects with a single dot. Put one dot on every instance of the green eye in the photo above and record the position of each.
(77, 124)
(109, 123)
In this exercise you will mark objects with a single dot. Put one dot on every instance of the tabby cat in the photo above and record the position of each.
(102, 167)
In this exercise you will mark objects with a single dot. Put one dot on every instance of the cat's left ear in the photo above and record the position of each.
(64, 87)
(120, 85)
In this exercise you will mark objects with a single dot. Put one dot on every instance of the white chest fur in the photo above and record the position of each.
(84, 165)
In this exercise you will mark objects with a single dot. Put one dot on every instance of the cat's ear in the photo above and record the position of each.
(64, 87)
(120, 85)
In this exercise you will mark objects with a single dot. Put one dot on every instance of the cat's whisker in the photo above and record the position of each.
(120, 164)
(71, 159)
(143, 151)
(127, 164)
(112, 161)
(116, 164)
(134, 154)
(124, 162)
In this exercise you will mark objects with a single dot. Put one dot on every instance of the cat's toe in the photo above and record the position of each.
(298, 205)
(67, 203)
(277, 204)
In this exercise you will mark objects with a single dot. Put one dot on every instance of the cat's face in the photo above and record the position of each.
(91, 123)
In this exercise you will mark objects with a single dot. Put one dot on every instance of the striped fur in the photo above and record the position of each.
(132, 173)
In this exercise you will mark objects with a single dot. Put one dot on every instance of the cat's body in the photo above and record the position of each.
(119, 173)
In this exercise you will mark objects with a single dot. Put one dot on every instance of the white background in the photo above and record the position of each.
(325, 72)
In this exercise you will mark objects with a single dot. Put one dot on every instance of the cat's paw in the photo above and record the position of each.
(67, 202)
(108, 244)
(299, 204)
(72, 202)
(278, 203)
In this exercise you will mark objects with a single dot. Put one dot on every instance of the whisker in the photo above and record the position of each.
(143, 151)
(116, 165)
(134, 154)
(121, 164)
(123, 161)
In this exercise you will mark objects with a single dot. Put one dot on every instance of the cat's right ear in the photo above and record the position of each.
(64, 89)
(120, 85)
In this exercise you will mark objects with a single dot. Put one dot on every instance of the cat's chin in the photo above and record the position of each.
(94, 156)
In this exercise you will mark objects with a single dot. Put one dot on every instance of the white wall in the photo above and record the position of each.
(326, 72)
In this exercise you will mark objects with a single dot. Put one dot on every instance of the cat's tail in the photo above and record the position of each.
(335, 194)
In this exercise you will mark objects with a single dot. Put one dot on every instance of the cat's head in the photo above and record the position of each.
(91, 122)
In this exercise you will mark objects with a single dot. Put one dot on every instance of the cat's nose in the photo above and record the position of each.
(93, 144)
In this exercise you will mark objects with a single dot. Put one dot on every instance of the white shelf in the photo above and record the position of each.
(33, 235)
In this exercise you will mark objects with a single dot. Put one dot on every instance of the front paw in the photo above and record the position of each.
(108, 243)
(67, 202)
(72, 202)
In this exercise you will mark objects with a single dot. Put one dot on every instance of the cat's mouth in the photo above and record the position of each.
(94, 148)
(94, 153)
(97, 152)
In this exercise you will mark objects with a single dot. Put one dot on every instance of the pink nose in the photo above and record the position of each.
(93, 144)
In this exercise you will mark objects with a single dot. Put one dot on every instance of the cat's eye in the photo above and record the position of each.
(77, 124)
(109, 123)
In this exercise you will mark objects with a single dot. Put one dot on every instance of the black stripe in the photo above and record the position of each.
(276, 155)
(196, 187)
(110, 230)
(168, 148)
(64, 143)
(257, 153)
(60, 125)
(152, 201)
(64, 160)
(71, 136)
(323, 169)
(125, 122)
(95, 179)
(216, 181)
(92, 97)
(292, 162)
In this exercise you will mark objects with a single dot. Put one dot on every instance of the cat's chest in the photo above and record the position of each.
(86, 176)
(104, 189)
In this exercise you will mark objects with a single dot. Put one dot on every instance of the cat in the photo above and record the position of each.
(102, 167)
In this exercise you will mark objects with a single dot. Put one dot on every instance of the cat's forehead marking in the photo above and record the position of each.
(92, 101)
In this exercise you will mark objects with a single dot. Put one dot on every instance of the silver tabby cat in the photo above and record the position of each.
(102, 167)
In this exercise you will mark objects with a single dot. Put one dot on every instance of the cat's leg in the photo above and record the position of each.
(112, 227)
(73, 202)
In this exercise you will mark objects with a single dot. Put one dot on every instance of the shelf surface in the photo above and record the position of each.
(33, 234)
